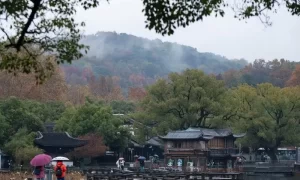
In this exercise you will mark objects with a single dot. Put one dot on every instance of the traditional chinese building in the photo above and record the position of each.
(56, 144)
(201, 148)
(153, 146)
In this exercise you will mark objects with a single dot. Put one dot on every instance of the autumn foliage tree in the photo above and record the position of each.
(77, 94)
(106, 88)
(137, 80)
(94, 148)
(295, 77)
(24, 86)
(277, 72)
(136, 93)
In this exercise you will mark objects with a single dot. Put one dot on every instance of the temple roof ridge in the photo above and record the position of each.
(58, 139)
(201, 133)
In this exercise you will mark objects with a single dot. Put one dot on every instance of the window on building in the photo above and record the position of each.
(177, 145)
(229, 143)
(216, 143)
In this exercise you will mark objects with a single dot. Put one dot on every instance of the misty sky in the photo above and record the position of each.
(225, 36)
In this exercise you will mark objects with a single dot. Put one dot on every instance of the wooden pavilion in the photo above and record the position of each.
(200, 148)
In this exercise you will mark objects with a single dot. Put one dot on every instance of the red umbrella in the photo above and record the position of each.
(41, 160)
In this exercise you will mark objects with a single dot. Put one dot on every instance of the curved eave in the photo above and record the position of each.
(196, 138)
(135, 144)
(82, 143)
(154, 144)
(239, 135)
(40, 135)
(79, 143)
(208, 137)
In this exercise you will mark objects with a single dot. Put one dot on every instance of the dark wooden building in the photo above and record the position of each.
(56, 144)
(153, 146)
(201, 148)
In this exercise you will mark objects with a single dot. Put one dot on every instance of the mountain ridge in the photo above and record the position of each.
(124, 55)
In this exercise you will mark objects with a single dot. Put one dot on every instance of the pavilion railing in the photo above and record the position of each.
(223, 151)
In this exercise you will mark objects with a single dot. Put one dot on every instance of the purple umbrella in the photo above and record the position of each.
(41, 160)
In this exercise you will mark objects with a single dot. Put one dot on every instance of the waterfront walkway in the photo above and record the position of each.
(102, 174)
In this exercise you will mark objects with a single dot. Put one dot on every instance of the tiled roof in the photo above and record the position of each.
(154, 141)
(135, 144)
(201, 133)
(58, 140)
(183, 135)
(212, 132)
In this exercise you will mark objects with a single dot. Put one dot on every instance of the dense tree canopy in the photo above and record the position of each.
(35, 27)
(97, 118)
(19, 122)
(276, 72)
(268, 114)
(164, 16)
(21, 119)
(183, 100)
(21, 146)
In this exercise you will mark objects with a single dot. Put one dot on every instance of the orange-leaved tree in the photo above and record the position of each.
(294, 80)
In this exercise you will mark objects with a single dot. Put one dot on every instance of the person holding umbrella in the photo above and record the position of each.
(60, 170)
(155, 161)
(39, 172)
(39, 161)
(120, 163)
(142, 163)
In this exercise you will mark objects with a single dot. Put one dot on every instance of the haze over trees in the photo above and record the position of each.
(37, 35)
(115, 76)
(268, 113)
(137, 62)
(31, 28)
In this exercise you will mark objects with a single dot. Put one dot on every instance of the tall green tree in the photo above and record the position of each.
(122, 107)
(4, 133)
(46, 112)
(21, 147)
(18, 115)
(268, 114)
(35, 27)
(95, 117)
(184, 99)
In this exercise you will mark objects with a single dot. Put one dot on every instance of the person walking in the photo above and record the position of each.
(142, 165)
(39, 172)
(118, 163)
(121, 163)
(60, 170)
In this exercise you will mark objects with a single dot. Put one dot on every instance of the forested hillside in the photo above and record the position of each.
(138, 61)
(280, 73)
(88, 93)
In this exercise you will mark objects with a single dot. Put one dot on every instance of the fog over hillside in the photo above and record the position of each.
(123, 55)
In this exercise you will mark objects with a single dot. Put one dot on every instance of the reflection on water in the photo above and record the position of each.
(266, 177)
